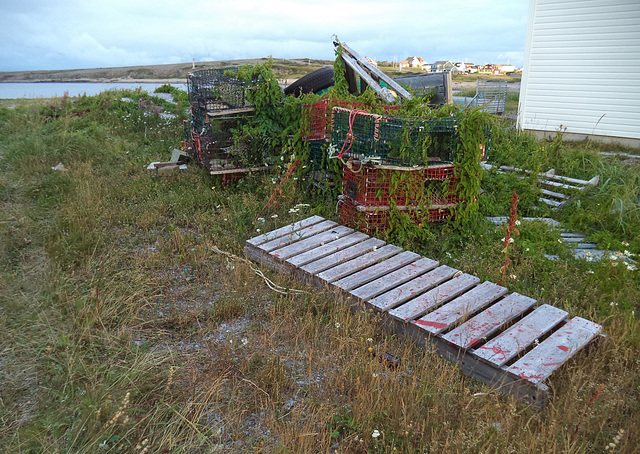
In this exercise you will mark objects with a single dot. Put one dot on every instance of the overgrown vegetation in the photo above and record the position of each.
(125, 330)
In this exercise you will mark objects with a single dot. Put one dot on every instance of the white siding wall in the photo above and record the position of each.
(582, 68)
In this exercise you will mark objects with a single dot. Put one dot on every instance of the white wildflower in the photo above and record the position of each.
(375, 434)
(518, 222)
(244, 341)
(337, 324)
(631, 267)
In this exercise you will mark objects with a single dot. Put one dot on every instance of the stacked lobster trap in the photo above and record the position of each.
(394, 166)
(220, 102)
(317, 130)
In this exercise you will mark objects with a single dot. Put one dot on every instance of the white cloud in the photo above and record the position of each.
(73, 33)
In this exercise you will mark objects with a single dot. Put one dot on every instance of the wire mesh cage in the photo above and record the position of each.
(370, 185)
(316, 117)
(394, 140)
(219, 89)
(378, 220)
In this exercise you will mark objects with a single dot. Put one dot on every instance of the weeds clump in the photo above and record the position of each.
(124, 330)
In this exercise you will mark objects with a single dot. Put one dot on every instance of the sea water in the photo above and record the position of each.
(14, 90)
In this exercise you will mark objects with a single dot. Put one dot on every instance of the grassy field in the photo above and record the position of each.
(130, 324)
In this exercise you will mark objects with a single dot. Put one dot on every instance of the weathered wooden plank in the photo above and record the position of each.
(554, 351)
(471, 302)
(327, 249)
(413, 288)
(286, 230)
(377, 72)
(352, 266)
(522, 334)
(489, 321)
(531, 393)
(572, 235)
(434, 297)
(395, 279)
(375, 86)
(342, 256)
(242, 170)
(557, 195)
(311, 242)
(374, 272)
(220, 113)
(297, 235)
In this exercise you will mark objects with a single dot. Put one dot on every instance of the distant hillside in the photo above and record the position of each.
(284, 69)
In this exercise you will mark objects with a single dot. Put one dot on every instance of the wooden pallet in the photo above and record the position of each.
(508, 341)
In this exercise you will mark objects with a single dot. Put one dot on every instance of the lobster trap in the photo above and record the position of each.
(219, 91)
(388, 140)
(316, 117)
(370, 185)
(378, 220)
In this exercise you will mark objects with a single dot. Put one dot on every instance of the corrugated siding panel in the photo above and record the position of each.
(582, 68)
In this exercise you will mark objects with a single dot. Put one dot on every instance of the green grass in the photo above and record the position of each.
(123, 330)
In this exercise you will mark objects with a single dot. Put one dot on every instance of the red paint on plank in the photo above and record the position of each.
(529, 377)
(497, 350)
(564, 348)
(552, 364)
(437, 325)
(473, 342)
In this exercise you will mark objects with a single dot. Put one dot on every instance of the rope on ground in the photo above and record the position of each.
(272, 285)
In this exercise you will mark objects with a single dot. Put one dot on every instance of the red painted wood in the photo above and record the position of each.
(471, 302)
(489, 321)
(522, 334)
(554, 351)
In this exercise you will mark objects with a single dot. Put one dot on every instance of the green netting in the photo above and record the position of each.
(217, 89)
(394, 140)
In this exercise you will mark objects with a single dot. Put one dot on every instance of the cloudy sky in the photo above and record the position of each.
(69, 34)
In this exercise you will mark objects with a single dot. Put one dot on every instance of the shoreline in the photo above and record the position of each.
(117, 80)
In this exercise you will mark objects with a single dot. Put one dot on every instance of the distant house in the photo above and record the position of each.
(464, 68)
(441, 66)
(415, 62)
(404, 64)
(503, 69)
(594, 93)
